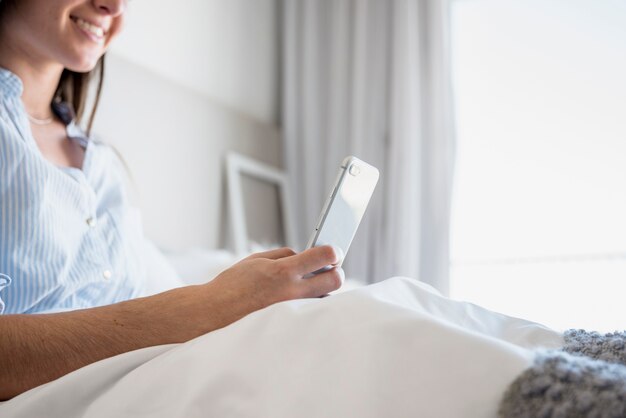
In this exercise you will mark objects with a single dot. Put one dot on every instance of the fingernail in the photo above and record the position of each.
(338, 253)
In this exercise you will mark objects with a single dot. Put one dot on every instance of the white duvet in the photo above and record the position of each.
(394, 349)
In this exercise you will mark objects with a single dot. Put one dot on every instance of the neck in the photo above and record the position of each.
(40, 77)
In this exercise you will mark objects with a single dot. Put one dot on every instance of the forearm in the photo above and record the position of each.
(36, 349)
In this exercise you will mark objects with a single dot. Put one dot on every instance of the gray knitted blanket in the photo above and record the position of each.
(586, 378)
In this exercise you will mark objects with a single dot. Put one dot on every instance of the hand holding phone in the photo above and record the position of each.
(345, 207)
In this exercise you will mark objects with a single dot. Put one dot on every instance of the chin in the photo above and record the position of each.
(82, 66)
(82, 60)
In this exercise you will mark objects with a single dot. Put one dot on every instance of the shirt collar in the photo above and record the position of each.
(10, 84)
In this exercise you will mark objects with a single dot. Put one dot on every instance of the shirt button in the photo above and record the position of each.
(107, 274)
(91, 222)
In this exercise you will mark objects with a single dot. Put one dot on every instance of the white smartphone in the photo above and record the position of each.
(345, 206)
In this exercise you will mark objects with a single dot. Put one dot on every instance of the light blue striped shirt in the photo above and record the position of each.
(69, 238)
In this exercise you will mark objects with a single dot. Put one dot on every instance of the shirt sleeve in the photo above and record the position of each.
(13, 197)
(4, 282)
(8, 163)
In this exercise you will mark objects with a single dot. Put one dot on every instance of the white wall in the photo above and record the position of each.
(185, 85)
(226, 50)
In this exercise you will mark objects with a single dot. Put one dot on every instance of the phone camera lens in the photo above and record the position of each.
(355, 170)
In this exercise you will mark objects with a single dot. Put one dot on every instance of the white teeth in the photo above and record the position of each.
(93, 29)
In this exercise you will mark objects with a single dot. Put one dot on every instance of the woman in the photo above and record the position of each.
(68, 237)
(69, 244)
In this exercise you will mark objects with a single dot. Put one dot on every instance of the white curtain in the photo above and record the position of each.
(372, 78)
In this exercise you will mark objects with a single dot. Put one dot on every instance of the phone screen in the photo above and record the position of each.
(346, 206)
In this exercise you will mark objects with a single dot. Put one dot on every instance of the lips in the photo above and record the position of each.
(96, 32)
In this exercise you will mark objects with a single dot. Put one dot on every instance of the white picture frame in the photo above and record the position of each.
(237, 166)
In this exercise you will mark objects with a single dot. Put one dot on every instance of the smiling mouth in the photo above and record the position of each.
(95, 31)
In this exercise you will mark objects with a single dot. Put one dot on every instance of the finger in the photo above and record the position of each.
(312, 259)
(323, 283)
(273, 254)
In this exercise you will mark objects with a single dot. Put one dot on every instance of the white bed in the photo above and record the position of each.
(393, 349)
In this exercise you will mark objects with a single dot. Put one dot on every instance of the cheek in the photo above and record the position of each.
(38, 32)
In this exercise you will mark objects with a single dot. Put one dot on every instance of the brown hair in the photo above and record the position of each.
(73, 87)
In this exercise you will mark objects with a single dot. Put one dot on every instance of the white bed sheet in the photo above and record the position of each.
(394, 349)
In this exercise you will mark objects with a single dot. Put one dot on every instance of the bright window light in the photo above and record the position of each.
(539, 207)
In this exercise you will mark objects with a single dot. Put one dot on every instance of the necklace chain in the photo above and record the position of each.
(40, 122)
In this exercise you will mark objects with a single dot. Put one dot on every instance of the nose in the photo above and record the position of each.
(111, 7)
